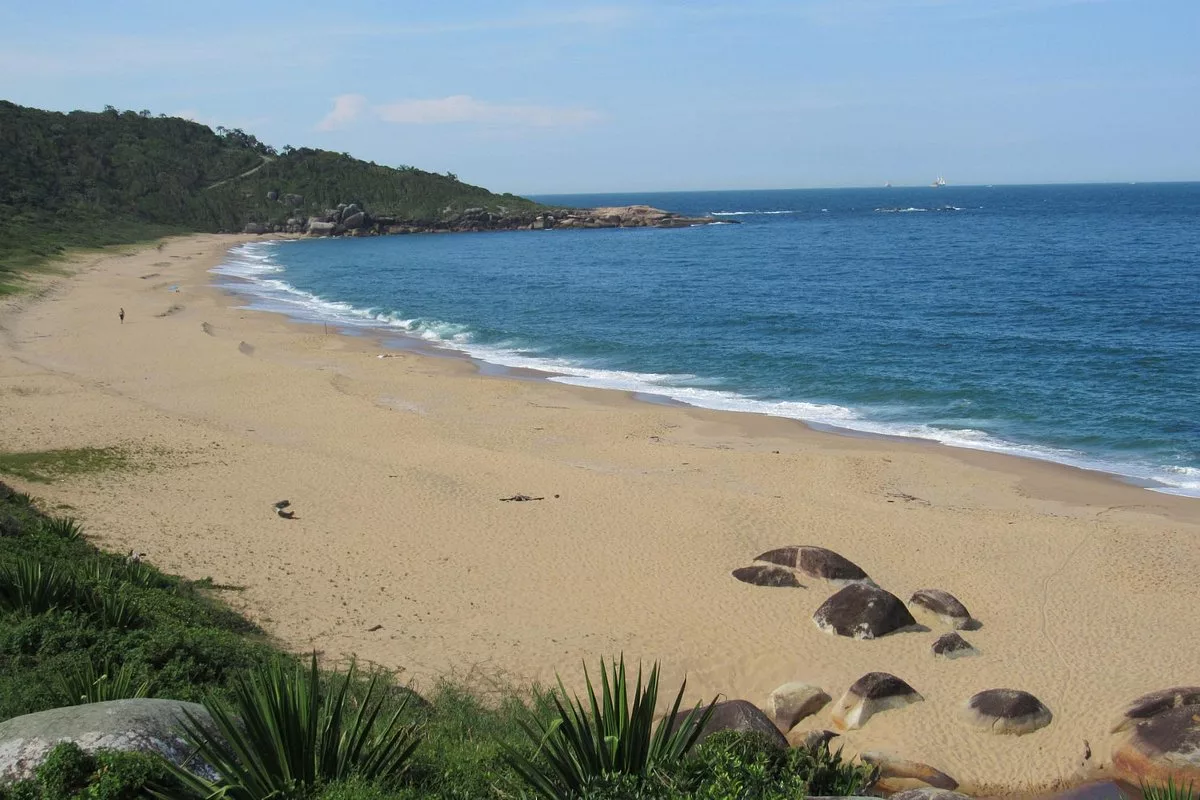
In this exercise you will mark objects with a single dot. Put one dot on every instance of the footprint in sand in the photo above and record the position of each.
(204, 326)
(246, 348)
(150, 275)
(172, 310)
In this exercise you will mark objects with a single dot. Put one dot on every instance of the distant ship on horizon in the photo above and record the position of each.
(939, 182)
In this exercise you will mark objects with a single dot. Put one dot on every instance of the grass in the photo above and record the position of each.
(46, 466)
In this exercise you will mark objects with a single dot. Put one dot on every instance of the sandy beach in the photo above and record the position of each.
(403, 553)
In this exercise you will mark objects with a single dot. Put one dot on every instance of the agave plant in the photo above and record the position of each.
(582, 745)
(28, 585)
(285, 733)
(1170, 791)
(66, 527)
(85, 684)
(114, 609)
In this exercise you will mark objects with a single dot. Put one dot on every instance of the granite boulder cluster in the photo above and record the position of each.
(351, 219)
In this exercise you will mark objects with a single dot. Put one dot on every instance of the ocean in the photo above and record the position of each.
(1053, 322)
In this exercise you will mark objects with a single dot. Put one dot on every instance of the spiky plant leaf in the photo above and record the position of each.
(285, 733)
(609, 736)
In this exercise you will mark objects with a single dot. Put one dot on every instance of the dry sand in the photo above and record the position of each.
(1086, 588)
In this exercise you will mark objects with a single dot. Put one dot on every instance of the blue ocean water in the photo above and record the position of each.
(1058, 322)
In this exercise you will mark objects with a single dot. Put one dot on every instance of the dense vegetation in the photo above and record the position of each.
(81, 625)
(88, 179)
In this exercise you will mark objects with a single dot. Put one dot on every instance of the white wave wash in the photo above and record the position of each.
(750, 213)
(253, 266)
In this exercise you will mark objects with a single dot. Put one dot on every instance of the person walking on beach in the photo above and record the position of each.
(122, 316)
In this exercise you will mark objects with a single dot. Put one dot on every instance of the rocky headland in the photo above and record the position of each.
(351, 219)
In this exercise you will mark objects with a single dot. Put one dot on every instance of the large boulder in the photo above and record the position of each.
(737, 715)
(254, 227)
(792, 702)
(1155, 703)
(318, 227)
(815, 562)
(355, 220)
(1006, 711)
(1164, 747)
(942, 606)
(142, 726)
(767, 575)
(869, 695)
(862, 611)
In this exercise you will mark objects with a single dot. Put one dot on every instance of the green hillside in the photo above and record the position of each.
(87, 179)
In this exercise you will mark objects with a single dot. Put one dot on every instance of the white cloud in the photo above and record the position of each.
(463, 108)
(346, 109)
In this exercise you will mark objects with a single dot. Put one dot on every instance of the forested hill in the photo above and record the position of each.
(88, 179)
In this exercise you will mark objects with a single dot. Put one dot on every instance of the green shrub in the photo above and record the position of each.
(582, 745)
(285, 733)
(65, 771)
(752, 766)
(68, 773)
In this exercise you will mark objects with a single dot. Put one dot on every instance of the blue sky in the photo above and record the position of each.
(537, 97)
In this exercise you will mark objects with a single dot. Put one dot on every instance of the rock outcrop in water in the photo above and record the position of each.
(349, 219)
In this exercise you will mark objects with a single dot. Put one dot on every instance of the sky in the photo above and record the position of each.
(566, 97)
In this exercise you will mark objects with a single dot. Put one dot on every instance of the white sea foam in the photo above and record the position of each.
(254, 266)
(750, 213)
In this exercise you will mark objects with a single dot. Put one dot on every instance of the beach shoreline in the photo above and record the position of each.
(396, 466)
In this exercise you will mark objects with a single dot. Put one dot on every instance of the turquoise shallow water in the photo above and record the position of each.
(1059, 322)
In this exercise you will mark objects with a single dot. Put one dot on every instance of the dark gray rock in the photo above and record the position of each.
(143, 726)
(355, 220)
(767, 575)
(293, 199)
(348, 211)
(1155, 703)
(1163, 747)
(862, 611)
(272, 195)
(816, 562)
(254, 227)
(951, 645)
(943, 606)
(1007, 711)
(737, 715)
(869, 695)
